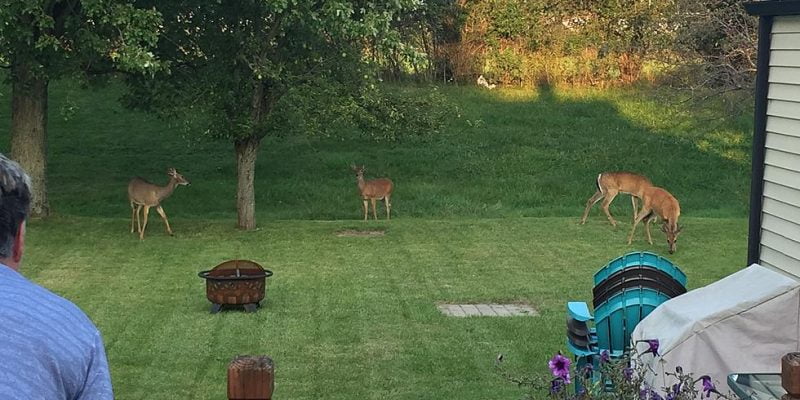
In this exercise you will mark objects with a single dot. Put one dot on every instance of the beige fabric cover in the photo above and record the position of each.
(744, 322)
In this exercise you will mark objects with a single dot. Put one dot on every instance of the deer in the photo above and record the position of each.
(143, 194)
(609, 185)
(372, 190)
(658, 202)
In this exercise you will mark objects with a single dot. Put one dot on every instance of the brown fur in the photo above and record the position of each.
(372, 190)
(143, 195)
(659, 202)
(609, 185)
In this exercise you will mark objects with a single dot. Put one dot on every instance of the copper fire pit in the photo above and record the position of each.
(236, 282)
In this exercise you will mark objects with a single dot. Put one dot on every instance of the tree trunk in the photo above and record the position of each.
(29, 133)
(246, 153)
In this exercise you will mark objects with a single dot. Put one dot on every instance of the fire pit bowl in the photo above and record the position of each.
(235, 282)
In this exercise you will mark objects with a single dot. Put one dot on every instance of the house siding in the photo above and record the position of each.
(780, 211)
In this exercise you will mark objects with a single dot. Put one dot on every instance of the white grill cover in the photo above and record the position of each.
(743, 323)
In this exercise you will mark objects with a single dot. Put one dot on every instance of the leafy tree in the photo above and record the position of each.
(232, 65)
(43, 40)
(717, 42)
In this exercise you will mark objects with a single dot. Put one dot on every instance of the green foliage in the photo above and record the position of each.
(393, 114)
(232, 64)
(55, 38)
(378, 113)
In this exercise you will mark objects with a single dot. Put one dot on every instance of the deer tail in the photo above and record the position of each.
(599, 188)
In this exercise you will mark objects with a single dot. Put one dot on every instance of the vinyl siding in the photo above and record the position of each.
(780, 213)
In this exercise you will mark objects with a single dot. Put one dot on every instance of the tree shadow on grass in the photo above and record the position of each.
(510, 153)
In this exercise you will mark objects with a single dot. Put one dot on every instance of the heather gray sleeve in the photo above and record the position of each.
(98, 378)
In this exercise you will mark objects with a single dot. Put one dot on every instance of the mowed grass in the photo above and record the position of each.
(486, 212)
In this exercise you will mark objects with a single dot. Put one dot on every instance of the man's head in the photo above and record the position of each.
(15, 200)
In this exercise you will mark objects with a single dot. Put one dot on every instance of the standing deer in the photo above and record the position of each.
(142, 193)
(372, 190)
(609, 184)
(659, 202)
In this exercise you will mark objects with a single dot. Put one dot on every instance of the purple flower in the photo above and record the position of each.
(627, 372)
(649, 394)
(556, 385)
(559, 366)
(675, 392)
(605, 357)
(708, 386)
(653, 343)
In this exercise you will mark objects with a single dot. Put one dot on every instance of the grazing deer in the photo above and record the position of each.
(609, 184)
(143, 194)
(659, 202)
(372, 190)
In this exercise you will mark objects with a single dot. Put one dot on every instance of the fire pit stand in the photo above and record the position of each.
(236, 282)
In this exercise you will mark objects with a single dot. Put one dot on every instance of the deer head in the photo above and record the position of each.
(179, 179)
(672, 230)
(358, 170)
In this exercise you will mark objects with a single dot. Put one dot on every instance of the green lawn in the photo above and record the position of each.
(487, 212)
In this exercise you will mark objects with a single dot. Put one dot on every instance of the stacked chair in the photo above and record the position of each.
(625, 291)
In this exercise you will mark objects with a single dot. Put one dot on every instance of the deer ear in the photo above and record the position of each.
(171, 171)
(664, 227)
(680, 228)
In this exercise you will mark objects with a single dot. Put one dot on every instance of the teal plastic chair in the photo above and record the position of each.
(625, 291)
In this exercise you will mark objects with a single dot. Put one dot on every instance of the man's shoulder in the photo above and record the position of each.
(17, 292)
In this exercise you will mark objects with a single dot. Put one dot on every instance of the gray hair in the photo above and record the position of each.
(15, 201)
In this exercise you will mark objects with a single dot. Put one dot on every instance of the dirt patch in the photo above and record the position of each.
(360, 233)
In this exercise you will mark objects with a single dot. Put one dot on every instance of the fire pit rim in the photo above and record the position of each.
(262, 274)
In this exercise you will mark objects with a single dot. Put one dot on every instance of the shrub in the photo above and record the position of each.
(621, 379)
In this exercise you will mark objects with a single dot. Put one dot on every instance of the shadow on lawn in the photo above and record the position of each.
(511, 153)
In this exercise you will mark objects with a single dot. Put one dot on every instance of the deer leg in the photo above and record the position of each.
(647, 229)
(138, 218)
(366, 209)
(645, 211)
(133, 215)
(374, 209)
(610, 195)
(633, 202)
(388, 207)
(592, 201)
(144, 224)
(164, 217)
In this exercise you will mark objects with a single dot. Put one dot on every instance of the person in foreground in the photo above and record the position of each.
(49, 349)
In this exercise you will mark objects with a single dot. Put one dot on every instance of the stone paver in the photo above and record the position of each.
(452, 310)
(471, 310)
(500, 310)
(487, 310)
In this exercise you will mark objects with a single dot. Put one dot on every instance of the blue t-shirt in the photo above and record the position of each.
(49, 349)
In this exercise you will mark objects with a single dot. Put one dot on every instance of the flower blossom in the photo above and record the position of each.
(708, 386)
(653, 346)
(559, 366)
